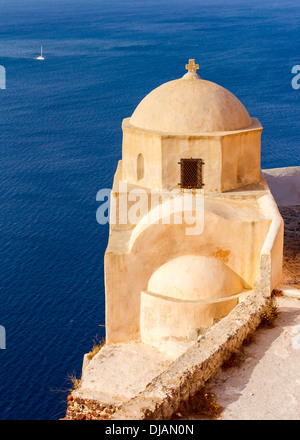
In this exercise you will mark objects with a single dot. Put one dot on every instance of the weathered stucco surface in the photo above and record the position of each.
(232, 159)
(238, 225)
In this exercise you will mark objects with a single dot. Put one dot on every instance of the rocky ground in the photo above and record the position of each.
(291, 265)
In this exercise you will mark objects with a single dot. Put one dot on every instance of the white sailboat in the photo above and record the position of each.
(41, 58)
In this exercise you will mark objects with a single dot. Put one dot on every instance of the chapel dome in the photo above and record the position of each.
(194, 277)
(190, 105)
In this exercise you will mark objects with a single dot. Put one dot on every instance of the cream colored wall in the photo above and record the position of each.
(162, 154)
(241, 159)
(207, 148)
(148, 144)
(271, 258)
(277, 257)
(229, 234)
(165, 317)
(237, 244)
(231, 159)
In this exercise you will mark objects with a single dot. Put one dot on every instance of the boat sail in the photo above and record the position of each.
(41, 58)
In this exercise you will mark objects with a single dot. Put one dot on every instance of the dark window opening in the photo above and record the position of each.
(191, 173)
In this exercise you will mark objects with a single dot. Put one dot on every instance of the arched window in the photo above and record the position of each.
(140, 166)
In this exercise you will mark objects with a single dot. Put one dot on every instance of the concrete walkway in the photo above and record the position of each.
(266, 383)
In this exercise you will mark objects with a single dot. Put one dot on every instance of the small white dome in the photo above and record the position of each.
(190, 105)
(193, 277)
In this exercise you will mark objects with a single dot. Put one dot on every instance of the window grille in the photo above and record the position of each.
(191, 173)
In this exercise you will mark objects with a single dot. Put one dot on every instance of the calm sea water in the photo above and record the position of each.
(60, 141)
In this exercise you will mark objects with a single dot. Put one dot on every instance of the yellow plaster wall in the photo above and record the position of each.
(237, 244)
(231, 160)
(137, 142)
(207, 148)
(166, 317)
(241, 154)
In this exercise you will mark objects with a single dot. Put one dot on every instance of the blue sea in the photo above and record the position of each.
(60, 141)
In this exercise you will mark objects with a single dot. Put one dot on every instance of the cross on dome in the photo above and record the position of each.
(192, 67)
(191, 70)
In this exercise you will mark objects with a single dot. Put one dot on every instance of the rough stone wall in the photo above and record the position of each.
(291, 252)
(163, 396)
(81, 409)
